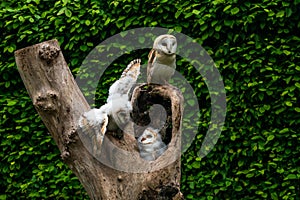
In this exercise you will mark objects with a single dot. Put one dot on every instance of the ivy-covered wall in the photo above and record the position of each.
(255, 45)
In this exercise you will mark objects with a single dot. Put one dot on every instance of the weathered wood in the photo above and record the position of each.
(60, 103)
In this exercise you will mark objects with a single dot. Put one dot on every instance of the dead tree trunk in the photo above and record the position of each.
(60, 103)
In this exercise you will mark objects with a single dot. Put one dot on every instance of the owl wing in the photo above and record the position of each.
(132, 70)
(92, 128)
(127, 80)
(151, 61)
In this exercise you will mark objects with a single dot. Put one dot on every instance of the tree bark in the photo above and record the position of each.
(60, 103)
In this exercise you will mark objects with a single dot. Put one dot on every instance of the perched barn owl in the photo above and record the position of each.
(150, 144)
(162, 59)
(115, 114)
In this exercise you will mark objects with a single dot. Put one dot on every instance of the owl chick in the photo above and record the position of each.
(118, 100)
(162, 59)
(94, 125)
(119, 112)
(150, 144)
(115, 114)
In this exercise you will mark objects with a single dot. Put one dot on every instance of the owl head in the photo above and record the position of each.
(149, 136)
(120, 110)
(166, 44)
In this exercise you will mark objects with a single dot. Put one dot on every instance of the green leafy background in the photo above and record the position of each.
(255, 45)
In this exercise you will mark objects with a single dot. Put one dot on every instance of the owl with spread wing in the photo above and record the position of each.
(115, 114)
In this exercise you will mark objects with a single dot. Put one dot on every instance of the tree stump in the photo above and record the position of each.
(60, 103)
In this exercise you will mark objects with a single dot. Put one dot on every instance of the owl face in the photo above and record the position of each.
(149, 137)
(120, 110)
(166, 44)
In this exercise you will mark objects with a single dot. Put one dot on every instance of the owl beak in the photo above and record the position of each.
(170, 53)
(171, 49)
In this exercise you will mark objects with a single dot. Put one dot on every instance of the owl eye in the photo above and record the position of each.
(164, 44)
(149, 136)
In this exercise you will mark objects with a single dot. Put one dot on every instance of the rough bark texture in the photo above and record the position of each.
(60, 103)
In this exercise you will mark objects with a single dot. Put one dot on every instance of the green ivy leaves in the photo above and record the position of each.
(255, 47)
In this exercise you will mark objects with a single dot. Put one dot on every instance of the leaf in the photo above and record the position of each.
(21, 18)
(228, 22)
(288, 103)
(226, 8)
(290, 176)
(280, 14)
(235, 11)
(228, 183)
(25, 129)
(141, 39)
(65, 2)
(233, 137)
(87, 22)
(238, 188)
(196, 165)
(218, 28)
(178, 28)
(106, 21)
(267, 107)
(11, 102)
(289, 12)
(7, 84)
(270, 137)
(196, 12)
(250, 175)
(177, 14)
(68, 12)
(83, 48)
(61, 11)
(128, 22)
(285, 130)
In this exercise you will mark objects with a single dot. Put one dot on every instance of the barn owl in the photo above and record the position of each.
(162, 59)
(94, 125)
(150, 144)
(115, 114)
(118, 100)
